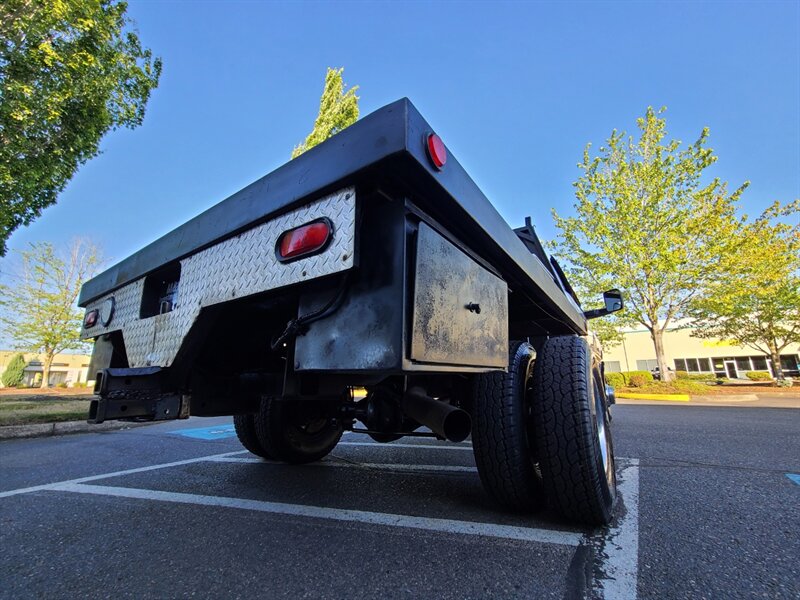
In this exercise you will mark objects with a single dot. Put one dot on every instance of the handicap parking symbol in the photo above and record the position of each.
(217, 432)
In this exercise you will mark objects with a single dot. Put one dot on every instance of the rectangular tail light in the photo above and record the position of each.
(90, 320)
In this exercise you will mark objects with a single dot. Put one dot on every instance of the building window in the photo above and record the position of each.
(692, 366)
(613, 366)
(743, 363)
(57, 378)
(680, 364)
(646, 365)
(789, 362)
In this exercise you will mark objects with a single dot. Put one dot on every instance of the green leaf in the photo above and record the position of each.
(645, 222)
(70, 71)
(338, 109)
(39, 311)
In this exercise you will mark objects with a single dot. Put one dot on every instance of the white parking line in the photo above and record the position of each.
(356, 465)
(508, 532)
(394, 445)
(619, 547)
(177, 463)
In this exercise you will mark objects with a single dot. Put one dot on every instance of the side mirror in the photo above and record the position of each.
(613, 302)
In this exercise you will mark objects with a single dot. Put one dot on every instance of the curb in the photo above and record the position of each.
(729, 398)
(34, 430)
(664, 397)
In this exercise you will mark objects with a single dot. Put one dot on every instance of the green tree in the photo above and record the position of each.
(70, 70)
(40, 313)
(646, 223)
(15, 371)
(338, 109)
(757, 302)
(607, 330)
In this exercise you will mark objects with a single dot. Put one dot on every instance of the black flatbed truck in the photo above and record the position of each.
(372, 262)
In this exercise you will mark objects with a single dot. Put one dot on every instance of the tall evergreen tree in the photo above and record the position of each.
(15, 371)
(338, 109)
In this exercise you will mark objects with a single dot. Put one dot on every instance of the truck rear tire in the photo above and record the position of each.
(245, 427)
(573, 438)
(501, 436)
(288, 431)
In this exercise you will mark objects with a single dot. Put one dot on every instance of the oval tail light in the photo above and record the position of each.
(304, 240)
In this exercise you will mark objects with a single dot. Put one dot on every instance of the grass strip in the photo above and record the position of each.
(23, 412)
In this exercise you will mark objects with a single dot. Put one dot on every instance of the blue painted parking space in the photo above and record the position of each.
(215, 432)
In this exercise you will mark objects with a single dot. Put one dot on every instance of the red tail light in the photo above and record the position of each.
(304, 240)
(90, 320)
(436, 151)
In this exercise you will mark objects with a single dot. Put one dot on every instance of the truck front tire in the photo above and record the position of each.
(294, 431)
(501, 435)
(573, 438)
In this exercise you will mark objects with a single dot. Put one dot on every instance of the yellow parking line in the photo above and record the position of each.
(666, 397)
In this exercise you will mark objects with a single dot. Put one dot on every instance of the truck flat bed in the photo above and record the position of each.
(388, 142)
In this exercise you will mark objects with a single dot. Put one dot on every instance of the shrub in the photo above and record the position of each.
(702, 377)
(638, 380)
(785, 383)
(683, 375)
(615, 380)
(648, 376)
(690, 387)
(63, 384)
(15, 371)
(758, 376)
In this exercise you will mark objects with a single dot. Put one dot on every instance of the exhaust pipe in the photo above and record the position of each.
(448, 422)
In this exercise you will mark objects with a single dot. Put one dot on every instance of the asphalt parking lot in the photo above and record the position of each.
(708, 509)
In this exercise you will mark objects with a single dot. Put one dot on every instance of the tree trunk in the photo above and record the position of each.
(46, 364)
(658, 343)
(775, 355)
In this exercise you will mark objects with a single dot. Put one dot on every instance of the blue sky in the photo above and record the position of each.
(516, 90)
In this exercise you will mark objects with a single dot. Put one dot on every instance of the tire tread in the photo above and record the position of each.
(499, 435)
(565, 433)
(245, 428)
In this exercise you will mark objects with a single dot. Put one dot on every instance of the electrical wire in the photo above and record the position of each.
(299, 326)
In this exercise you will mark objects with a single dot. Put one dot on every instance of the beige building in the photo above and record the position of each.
(66, 369)
(695, 355)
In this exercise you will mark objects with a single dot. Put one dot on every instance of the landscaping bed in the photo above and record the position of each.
(21, 407)
(642, 382)
(704, 389)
